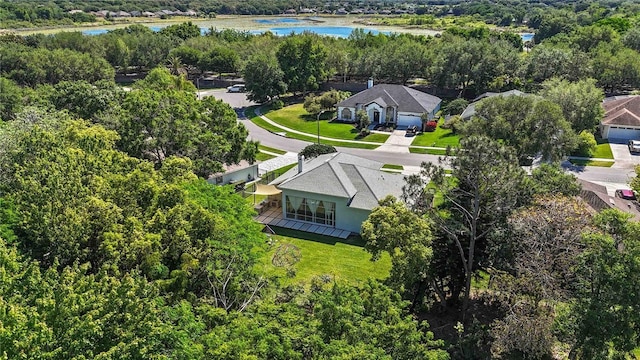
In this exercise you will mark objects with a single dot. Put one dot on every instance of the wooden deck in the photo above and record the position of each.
(272, 216)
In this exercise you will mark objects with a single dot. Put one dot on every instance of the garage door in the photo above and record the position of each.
(623, 133)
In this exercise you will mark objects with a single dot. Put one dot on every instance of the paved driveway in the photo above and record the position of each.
(236, 100)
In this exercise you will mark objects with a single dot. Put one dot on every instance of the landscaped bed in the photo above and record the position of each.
(438, 138)
(319, 255)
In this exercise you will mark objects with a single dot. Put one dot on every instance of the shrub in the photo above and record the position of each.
(452, 123)
(586, 144)
(431, 125)
(314, 150)
(456, 106)
(277, 104)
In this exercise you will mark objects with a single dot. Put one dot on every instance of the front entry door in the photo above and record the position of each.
(376, 116)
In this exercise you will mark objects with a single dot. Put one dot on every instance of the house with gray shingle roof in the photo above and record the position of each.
(391, 104)
(470, 110)
(336, 190)
(621, 118)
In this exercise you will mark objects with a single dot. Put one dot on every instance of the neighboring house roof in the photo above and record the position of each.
(228, 169)
(622, 111)
(470, 110)
(405, 98)
(346, 176)
(598, 199)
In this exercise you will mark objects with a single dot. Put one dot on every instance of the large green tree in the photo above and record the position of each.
(581, 102)
(263, 78)
(406, 237)
(303, 59)
(481, 191)
(530, 125)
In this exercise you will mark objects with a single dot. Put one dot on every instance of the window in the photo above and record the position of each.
(310, 210)
(346, 114)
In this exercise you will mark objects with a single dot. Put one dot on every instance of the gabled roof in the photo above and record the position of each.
(625, 111)
(346, 176)
(405, 98)
(470, 110)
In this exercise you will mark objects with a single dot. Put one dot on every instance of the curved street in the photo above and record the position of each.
(612, 178)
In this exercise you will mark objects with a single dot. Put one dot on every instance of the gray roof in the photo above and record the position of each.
(405, 98)
(346, 176)
(470, 110)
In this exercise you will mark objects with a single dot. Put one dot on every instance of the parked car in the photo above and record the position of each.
(634, 146)
(625, 194)
(236, 88)
(412, 130)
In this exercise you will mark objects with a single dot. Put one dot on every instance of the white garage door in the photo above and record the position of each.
(623, 133)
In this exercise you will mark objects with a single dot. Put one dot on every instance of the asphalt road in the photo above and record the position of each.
(239, 101)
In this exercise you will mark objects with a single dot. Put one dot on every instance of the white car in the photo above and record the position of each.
(236, 88)
(634, 146)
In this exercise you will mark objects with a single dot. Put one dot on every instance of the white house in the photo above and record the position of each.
(236, 173)
(621, 118)
(335, 191)
(392, 104)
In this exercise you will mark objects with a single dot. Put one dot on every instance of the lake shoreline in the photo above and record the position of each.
(236, 22)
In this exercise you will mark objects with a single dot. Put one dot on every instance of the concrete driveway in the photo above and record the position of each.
(622, 156)
(236, 100)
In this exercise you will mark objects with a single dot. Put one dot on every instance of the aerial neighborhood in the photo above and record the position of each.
(319, 180)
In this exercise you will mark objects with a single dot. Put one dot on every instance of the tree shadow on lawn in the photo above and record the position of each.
(328, 115)
(355, 240)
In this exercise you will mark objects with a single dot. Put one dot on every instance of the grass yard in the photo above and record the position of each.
(603, 151)
(415, 150)
(323, 255)
(591, 163)
(296, 117)
(379, 138)
(272, 150)
(438, 138)
(263, 156)
(392, 167)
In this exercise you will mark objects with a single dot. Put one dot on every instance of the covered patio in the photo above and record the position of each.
(270, 213)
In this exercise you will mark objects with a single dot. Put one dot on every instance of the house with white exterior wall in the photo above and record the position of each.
(391, 104)
(336, 191)
(621, 118)
(236, 173)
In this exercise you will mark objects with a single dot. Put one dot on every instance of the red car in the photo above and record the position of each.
(625, 194)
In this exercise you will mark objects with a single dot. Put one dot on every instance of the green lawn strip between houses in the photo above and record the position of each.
(438, 138)
(603, 151)
(415, 150)
(591, 162)
(392, 167)
(312, 138)
(323, 255)
(272, 150)
(263, 156)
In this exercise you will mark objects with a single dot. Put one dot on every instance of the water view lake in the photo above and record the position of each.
(296, 26)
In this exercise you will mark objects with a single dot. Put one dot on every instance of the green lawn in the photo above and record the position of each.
(270, 149)
(415, 150)
(296, 117)
(393, 167)
(379, 138)
(603, 151)
(591, 163)
(438, 138)
(262, 156)
(323, 255)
